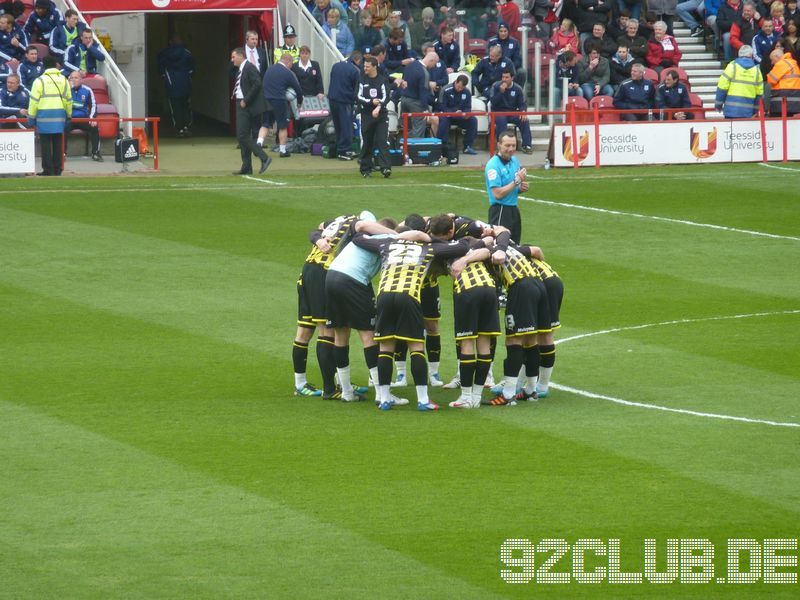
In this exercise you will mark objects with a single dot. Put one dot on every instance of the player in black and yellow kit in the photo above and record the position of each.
(554, 287)
(404, 266)
(328, 240)
(527, 314)
(477, 323)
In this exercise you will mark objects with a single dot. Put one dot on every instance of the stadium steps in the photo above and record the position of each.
(701, 65)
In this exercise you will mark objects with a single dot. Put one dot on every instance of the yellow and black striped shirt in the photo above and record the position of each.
(515, 268)
(545, 270)
(338, 232)
(475, 274)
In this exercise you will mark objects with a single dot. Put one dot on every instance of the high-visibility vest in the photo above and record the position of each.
(785, 75)
(743, 86)
(51, 102)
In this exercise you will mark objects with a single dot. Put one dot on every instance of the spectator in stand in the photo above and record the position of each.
(591, 12)
(30, 68)
(602, 40)
(507, 96)
(84, 106)
(448, 50)
(15, 8)
(672, 94)
(454, 22)
(424, 31)
(784, 81)
(42, 21)
(176, 66)
(728, 13)
(664, 10)
(489, 70)
(456, 98)
(744, 28)
(508, 13)
(337, 30)
(320, 12)
(764, 42)
(792, 33)
(49, 110)
(689, 12)
(354, 11)
(711, 9)
(13, 41)
(564, 38)
(83, 55)
(14, 102)
(632, 7)
(289, 44)
(278, 83)
(636, 44)
(415, 91)
(308, 74)
(5, 71)
(621, 64)
(566, 68)
(65, 34)
(512, 51)
(395, 22)
(380, 11)
(540, 10)
(791, 10)
(776, 13)
(594, 74)
(662, 49)
(255, 52)
(635, 93)
(366, 35)
(398, 56)
(740, 87)
(342, 91)
(617, 28)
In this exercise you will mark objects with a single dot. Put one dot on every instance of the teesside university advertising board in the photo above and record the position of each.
(675, 142)
(17, 152)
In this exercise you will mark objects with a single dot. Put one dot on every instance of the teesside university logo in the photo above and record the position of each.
(711, 143)
(567, 145)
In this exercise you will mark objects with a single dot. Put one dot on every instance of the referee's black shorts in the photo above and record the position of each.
(311, 296)
(507, 216)
(348, 302)
(399, 317)
(475, 312)
(527, 309)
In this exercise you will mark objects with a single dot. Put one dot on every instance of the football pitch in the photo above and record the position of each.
(151, 446)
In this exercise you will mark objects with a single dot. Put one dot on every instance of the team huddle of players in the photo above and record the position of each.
(335, 294)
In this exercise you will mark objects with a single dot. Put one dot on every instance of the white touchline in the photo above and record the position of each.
(779, 168)
(640, 216)
(263, 180)
(666, 408)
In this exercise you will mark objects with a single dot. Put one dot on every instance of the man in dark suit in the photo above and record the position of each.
(255, 53)
(250, 107)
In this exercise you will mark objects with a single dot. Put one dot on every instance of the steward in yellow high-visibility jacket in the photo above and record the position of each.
(49, 109)
(740, 87)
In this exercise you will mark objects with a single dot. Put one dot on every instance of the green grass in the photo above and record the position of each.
(150, 445)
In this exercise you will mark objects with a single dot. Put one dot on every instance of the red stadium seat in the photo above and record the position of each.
(43, 49)
(604, 105)
(108, 129)
(101, 97)
(580, 104)
(651, 75)
(697, 102)
(477, 47)
(96, 82)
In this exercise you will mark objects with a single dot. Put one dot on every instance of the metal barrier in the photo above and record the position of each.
(323, 49)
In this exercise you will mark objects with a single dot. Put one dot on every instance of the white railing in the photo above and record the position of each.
(119, 89)
(309, 33)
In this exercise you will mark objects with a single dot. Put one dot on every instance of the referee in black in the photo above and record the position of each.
(373, 94)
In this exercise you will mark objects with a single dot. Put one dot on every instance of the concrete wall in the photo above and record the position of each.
(128, 36)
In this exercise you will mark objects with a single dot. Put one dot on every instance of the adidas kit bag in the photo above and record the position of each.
(126, 149)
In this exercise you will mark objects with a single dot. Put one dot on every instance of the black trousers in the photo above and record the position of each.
(374, 134)
(247, 127)
(508, 217)
(94, 136)
(181, 109)
(52, 159)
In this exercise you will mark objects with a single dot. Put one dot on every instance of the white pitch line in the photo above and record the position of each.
(779, 168)
(458, 187)
(676, 322)
(263, 180)
(641, 216)
(682, 411)
(666, 408)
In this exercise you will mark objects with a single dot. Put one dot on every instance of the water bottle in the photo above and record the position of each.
(546, 164)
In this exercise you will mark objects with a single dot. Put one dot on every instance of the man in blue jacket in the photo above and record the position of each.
(342, 91)
(457, 98)
(83, 55)
(489, 69)
(42, 21)
(176, 65)
(415, 90)
(636, 92)
(65, 34)
(30, 68)
(279, 81)
(507, 96)
(14, 102)
(85, 107)
(512, 51)
(13, 41)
